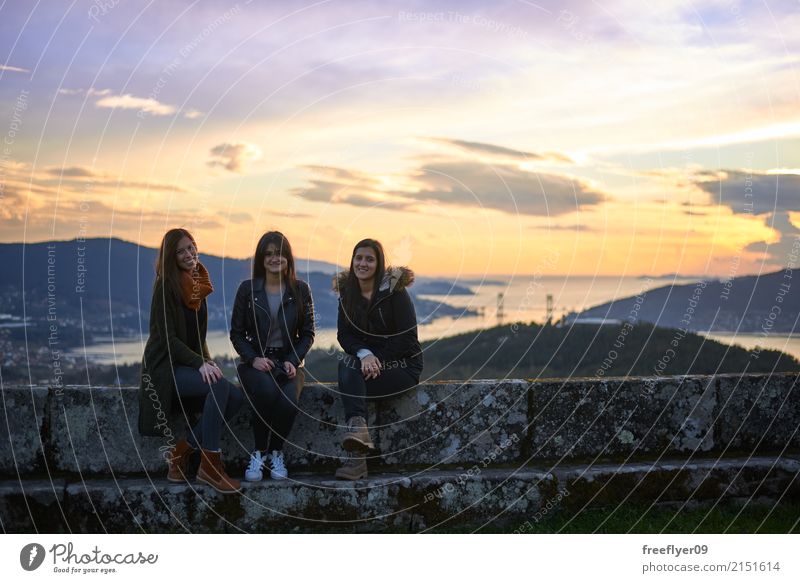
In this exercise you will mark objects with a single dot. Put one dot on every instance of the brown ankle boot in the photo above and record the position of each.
(178, 460)
(212, 472)
(356, 439)
(355, 468)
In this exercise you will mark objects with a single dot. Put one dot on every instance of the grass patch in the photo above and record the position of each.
(727, 518)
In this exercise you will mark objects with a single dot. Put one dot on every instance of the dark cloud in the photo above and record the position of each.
(71, 172)
(341, 175)
(340, 185)
(343, 193)
(782, 252)
(365, 201)
(502, 152)
(768, 193)
(320, 190)
(504, 188)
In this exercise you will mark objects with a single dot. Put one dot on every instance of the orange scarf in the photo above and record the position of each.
(195, 286)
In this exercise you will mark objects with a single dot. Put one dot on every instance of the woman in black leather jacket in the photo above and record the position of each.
(377, 328)
(272, 329)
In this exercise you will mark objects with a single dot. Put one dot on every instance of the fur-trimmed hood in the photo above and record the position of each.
(394, 278)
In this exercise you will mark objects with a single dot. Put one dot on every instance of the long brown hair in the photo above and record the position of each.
(351, 293)
(167, 270)
(285, 249)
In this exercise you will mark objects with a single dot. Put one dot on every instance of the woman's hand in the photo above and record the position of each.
(290, 369)
(210, 373)
(370, 367)
(263, 364)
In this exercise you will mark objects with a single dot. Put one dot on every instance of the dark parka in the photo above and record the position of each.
(251, 321)
(391, 329)
(167, 346)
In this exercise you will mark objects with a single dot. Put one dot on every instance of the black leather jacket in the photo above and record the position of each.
(251, 322)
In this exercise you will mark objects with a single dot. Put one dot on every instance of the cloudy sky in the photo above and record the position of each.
(606, 137)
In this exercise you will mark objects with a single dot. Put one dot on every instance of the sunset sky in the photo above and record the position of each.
(608, 137)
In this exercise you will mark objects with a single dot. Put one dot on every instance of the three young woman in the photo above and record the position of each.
(272, 330)
(177, 367)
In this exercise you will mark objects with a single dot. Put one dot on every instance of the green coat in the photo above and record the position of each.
(166, 347)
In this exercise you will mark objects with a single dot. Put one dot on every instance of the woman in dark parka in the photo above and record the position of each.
(377, 329)
(176, 364)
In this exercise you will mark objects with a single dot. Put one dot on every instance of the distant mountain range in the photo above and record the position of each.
(111, 280)
(755, 304)
(101, 284)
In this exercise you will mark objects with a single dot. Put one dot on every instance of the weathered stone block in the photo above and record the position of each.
(676, 481)
(444, 499)
(32, 506)
(134, 506)
(310, 503)
(746, 478)
(451, 422)
(758, 412)
(589, 418)
(605, 484)
(22, 411)
(94, 430)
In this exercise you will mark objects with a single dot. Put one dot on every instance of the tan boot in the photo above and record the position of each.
(178, 460)
(212, 472)
(355, 468)
(356, 439)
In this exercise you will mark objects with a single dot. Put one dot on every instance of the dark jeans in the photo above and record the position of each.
(274, 405)
(395, 378)
(222, 401)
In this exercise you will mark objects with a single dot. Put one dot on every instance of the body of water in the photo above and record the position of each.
(524, 299)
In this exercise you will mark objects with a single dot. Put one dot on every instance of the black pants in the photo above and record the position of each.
(274, 405)
(222, 401)
(355, 390)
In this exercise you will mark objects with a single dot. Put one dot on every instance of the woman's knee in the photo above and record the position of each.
(264, 393)
(288, 397)
(223, 390)
(189, 380)
(235, 398)
(257, 383)
(248, 376)
(347, 373)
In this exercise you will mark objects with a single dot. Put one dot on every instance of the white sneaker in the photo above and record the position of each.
(253, 471)
(277, 468)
